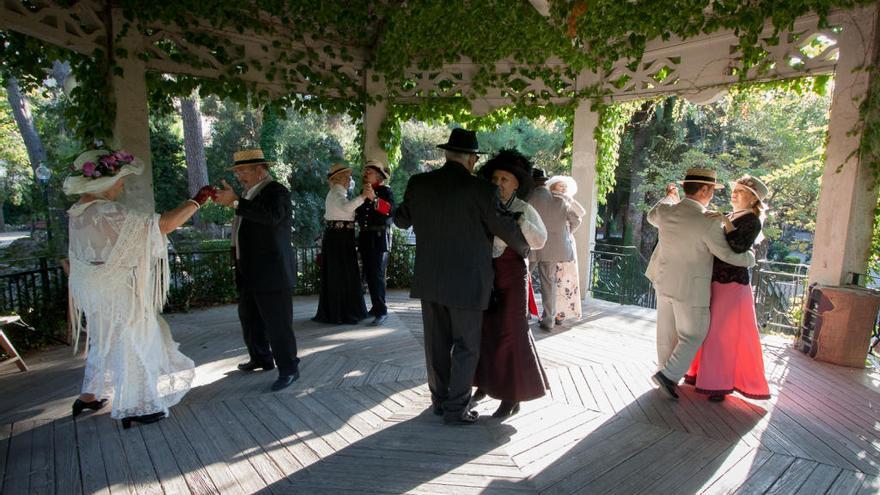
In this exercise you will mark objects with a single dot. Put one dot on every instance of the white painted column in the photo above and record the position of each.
(131, 131)
(583, 170)
(848, 197)
(374, 115)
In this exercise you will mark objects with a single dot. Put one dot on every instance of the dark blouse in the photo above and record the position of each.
(740, 240)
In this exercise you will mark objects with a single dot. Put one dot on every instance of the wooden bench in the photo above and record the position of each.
(6, 345)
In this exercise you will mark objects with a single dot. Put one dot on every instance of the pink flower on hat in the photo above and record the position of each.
(88, 169)
(122, 156)
(108, 160)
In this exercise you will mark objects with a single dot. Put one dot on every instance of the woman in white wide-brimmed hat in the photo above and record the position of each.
(568, 293)
(118, 281)
(342, 295)
(730, 358)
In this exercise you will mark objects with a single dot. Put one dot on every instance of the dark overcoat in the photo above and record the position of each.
(267, 262)
(455, 216)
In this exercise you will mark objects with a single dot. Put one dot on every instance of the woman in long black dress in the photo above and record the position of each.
(509, 368)
(342, 296)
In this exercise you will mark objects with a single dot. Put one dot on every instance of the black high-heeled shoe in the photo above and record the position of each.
(143, 419)
(506, 409)
(79, 405)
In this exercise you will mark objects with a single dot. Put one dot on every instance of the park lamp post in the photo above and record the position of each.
(43, 174)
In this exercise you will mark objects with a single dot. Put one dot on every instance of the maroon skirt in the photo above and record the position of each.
(509, 368)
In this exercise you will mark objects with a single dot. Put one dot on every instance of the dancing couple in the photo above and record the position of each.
(472, 239)
(119, 278)
(706, 326)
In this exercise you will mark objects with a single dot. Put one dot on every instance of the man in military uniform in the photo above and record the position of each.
(374, 241)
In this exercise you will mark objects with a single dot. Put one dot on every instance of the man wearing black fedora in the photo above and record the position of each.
(265, 266)
(454, 216)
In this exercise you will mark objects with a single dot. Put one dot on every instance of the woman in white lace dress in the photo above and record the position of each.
(119, 280)
(568, 294)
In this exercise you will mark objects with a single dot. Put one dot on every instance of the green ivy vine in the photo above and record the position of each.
(612, 120)
(394, 36)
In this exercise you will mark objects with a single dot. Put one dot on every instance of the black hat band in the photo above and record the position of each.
(249, 161)
(702, 178)
(377, 169)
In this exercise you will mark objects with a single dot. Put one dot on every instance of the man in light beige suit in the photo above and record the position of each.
(681, 271)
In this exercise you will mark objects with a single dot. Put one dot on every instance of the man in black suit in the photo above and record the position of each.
(374, 239)
(265, 266)
(455, 217)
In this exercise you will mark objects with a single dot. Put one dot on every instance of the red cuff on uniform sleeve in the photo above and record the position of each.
(383, 207)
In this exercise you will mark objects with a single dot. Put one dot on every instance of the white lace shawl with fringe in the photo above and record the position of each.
(119, 272)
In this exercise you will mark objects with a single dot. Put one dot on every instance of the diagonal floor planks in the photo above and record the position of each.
(358, 421)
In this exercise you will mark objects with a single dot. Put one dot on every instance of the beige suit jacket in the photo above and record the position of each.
(681, 265)
(561, 219)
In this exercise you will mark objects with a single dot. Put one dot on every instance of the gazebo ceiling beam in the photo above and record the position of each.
(78, 27)
(307, 65)
(278, 61)
(688, 67)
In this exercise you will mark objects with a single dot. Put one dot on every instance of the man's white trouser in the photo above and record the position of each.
(681, 329)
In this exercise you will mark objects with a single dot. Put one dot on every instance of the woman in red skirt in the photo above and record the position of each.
(730, 358)
(509, 368)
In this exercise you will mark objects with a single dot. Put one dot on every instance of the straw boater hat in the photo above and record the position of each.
(337, 169)
(514, 162)
(462, 141)
(78, 183)
(702, 176)
(248, 157)
(755, 186)
(571, 187)
(379, 167)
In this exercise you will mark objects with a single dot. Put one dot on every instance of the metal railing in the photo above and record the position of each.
(35, 286)
(779, 290)
(617, 274)
(205, 277)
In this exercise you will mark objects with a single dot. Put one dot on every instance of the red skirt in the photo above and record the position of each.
(509, 368)
(730, 358)
(533, 306)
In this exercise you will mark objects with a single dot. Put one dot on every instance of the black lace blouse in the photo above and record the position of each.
(748, 227)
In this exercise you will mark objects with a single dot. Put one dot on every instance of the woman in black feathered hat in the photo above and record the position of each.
(509, 369)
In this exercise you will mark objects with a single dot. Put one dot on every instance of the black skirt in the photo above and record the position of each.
(342, 295)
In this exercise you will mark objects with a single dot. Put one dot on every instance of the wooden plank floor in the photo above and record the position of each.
(358, 421)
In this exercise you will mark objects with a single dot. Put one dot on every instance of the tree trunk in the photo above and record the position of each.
(194, 147)
(634, 214)
(22, 115)
(2, 217)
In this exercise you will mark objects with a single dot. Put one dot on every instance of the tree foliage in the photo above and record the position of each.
(16, 177)
(776, 133)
